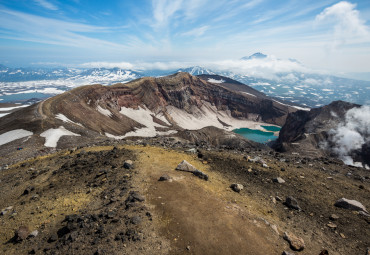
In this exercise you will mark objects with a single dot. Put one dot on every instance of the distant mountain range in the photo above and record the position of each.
(304, 88)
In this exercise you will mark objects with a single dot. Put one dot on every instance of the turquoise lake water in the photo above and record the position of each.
(258, 135)
(271, 128)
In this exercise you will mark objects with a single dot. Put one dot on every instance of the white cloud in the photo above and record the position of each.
(123, 65)
(352, 134)
(163, 10)
(47, 5)
(265, 68)
(196, 31)
(348, 26)
(33, 28)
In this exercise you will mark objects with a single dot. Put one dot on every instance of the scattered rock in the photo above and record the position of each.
(278, 199)
(33, 234)
(28, 190)
(350, 205)
(128, 164)
(368, 251)
(135, 196)
(292, 203)
(6, 210)
(201, 175)
(236, 187)
(192, 150)
(185, 166)
(282, 169)
(165, 177)
(296, 243)
(334, 217)
(331, 225)
(21, 233)
(278, 180)
(287, 253)
(136, 220)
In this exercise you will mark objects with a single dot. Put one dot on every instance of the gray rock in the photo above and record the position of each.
(128, 164)
(34, 233)
(292, 203)
(164, 177)
(21, 233)
(278, 180)
(185, 166)
(368, 251)
(350, 205)
(334, 217)
(136, 220)
(236, 187)
(192, 150)
(201, 175)
(296, 243)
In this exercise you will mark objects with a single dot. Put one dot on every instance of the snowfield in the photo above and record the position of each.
(52, 135)
(208, 115)
(14, 135)
(144, 116)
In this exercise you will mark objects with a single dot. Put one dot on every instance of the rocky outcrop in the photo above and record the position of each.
(310, 131)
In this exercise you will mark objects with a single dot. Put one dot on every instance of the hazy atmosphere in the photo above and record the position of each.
(323, 35)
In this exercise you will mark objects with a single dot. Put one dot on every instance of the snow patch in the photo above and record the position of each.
(297, 107)
(208, 115)
(65, 119)
(215, 81)
(104, 111)
(5, 109)
(144, 116)
(52, 135)
(10, 136)
(249, 94)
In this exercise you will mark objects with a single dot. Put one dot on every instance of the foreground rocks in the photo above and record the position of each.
(350, 205)
(187, 167)
(292, 203)
(236, 187)
(296, 243)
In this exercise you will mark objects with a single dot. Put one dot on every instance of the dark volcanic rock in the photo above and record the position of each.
(292, 203)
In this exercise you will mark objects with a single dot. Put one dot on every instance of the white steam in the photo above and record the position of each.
(352, 134)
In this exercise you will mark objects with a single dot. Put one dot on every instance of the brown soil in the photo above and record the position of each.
(187, 215)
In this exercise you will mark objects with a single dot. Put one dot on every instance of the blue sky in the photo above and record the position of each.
(326, 34)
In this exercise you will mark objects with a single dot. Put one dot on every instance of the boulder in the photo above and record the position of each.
(292, 203)
(128, 164)
(201, 175)
(185, 166)
(278, 180)
(236, 187)
(21, 233)
(296, 243)
(350, 205)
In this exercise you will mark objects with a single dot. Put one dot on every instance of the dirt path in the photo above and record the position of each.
(200, 217)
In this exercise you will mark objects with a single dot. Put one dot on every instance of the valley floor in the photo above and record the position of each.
(88, 201)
